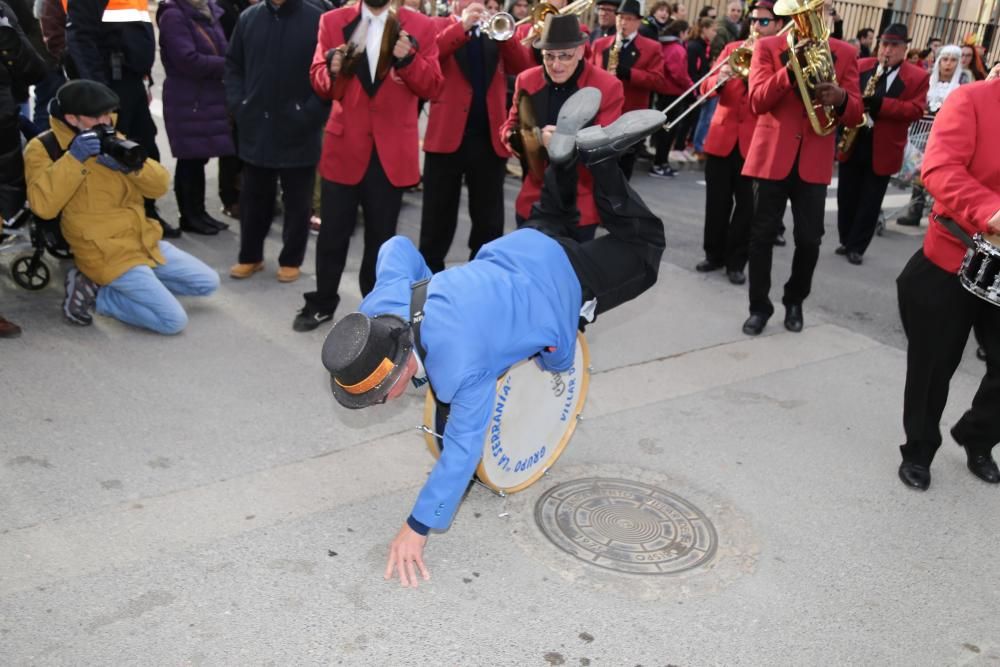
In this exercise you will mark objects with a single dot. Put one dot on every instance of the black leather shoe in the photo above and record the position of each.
(841, 250)
(736, 277)
(706, 265)
(574, 114)
(755, 324)
(597, 144)
(915, 475)
(169, 231)
(793, 317)
(983, 466)
(907, 221)
(779, 241)
(854, 258)
(213, 222)
(197, 226)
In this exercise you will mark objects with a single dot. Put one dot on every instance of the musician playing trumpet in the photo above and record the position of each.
(637, 61)
(463, 132)
(792, 151)
(896, 99)
(729, 194)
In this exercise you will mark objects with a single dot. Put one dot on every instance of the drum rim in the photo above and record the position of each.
(431, 441)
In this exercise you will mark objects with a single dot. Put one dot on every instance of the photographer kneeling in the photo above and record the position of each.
(97, 186)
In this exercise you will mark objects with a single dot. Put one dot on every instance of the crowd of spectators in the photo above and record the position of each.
(237, 89)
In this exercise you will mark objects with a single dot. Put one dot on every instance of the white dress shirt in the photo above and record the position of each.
(376, 28)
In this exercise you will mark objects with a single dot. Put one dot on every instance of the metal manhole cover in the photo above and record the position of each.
(626, 526)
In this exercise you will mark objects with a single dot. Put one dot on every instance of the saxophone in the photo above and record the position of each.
(850, 134)
(613, 53)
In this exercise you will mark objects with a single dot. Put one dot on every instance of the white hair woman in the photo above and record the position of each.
(946, 77)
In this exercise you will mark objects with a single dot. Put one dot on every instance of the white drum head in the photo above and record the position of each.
(532, 419)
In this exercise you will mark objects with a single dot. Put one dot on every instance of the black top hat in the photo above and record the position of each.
(562, 31)
(895, 33)
(82, 97)
(630, 7)
(365, 356)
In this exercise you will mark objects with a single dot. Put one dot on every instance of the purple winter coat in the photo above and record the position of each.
(193, 51)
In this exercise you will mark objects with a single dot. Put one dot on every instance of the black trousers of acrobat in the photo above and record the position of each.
(937, 314)
(728, 210)
(483, 171)
(859, 197)
(808, 204)
(615, 267)
(380, 202)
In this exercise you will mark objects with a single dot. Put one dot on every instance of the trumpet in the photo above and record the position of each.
(499, 26)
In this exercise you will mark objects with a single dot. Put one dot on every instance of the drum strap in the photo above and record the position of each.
(958, 232)
(418, 296)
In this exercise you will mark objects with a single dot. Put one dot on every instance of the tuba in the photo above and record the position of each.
(810, 56)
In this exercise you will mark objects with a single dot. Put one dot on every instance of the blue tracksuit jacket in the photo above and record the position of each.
(518, 296)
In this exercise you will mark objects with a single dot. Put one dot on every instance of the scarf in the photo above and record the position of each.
(201, 6)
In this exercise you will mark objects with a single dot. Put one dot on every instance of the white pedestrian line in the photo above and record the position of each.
(156, 107)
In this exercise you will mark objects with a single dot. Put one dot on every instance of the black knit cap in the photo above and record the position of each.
(81, 97)
(365, 356)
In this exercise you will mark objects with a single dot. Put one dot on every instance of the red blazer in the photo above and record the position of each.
(961, 168)
(732, 121)
(783, 131)
(646, 74)
(449, 112)
(904, 102)
(383, 114)
(532, 82)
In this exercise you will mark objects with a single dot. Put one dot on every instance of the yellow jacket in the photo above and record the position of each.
(103, 217)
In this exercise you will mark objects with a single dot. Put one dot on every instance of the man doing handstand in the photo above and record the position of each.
(524, 294)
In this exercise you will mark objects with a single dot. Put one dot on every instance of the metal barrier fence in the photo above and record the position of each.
(858, 15)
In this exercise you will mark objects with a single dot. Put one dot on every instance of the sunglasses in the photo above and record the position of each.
(762, 21)
(561, 57)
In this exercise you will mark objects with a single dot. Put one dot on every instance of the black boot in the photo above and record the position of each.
(198, 204)
(915, 209)
(190, 219)
(169, 232)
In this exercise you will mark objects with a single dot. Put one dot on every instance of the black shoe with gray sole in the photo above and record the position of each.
(597, 144)
(575, 113)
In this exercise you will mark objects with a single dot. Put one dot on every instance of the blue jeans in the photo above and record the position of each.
(704, 120)
(144, 296)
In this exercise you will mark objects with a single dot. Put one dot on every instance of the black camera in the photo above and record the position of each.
(130, 154)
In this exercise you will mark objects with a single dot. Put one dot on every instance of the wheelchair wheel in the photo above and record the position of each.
(30, 272)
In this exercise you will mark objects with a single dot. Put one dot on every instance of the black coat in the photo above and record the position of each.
(91, 43)
(268, 92)
(20, 66)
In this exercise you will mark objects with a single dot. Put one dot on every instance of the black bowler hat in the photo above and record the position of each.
(562, 31)
(365, 356)
(630, 7)
(613, 3)
(82, 97)
(895, 34)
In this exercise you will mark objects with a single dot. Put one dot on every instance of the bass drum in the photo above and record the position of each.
(532, 419)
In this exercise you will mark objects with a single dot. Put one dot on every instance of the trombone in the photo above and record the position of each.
(543, 10)
(738, 61)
